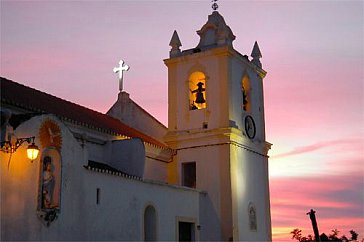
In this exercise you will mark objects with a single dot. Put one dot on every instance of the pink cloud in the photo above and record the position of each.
(35, 60)
(335, 198)
(320, 145)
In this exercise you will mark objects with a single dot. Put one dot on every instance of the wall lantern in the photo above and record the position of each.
(32, 150)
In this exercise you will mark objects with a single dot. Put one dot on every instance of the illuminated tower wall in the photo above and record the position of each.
(216, 126)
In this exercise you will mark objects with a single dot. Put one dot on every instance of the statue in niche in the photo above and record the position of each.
(252, 218)
(49, 188)
(49, 193)
(48, 184)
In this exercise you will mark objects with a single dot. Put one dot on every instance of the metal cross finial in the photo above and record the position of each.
(120, 70)
(214, 5)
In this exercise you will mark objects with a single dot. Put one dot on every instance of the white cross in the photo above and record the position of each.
(120, 70)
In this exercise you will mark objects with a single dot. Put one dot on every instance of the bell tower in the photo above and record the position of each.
(216, 125)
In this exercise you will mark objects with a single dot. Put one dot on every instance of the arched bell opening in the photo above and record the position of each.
(197, 91)
(246, 93)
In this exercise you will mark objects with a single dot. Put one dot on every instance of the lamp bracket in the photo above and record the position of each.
(8, 147)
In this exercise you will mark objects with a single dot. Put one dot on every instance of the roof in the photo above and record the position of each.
(28, 98)
(104, 168)
(108, 170)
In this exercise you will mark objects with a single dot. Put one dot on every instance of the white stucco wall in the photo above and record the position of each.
(131, 114)
(155, 170)
(230, 167)
(20, 187)
(249, 172)
(212, 175)
(156, 162)
(98, 147)
(238, 68)
(118, 216)
(214, 65)
(224, 69)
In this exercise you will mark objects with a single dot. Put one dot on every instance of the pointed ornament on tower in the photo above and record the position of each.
(175, 43)
(256, 54)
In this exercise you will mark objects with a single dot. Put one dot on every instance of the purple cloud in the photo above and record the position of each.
(319, 145)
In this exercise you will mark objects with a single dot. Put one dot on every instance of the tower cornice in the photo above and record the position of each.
(190, 139)
(192, 54)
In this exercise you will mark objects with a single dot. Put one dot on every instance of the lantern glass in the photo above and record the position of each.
(32, 151)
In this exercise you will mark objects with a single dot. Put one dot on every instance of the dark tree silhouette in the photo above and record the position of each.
(296, 234)
(354, 235)
(333, 237)
(323, 237)
(344, 239)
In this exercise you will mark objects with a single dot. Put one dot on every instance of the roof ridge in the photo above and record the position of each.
(108, 127)
(17, 83)
(142, 109)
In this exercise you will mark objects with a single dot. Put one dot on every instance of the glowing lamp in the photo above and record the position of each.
(32, 151)
(11, 147)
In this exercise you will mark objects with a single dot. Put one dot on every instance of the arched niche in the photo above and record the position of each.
(252, 217)
(197, 90)
(246, 93)
(150, 224)
(50, 180)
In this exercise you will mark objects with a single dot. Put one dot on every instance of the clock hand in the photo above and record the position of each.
(249, 126)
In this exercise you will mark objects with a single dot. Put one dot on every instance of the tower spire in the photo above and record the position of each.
(175, 43)
(256, 54)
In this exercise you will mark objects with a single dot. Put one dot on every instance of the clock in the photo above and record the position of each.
(50, 134)
(250, 128)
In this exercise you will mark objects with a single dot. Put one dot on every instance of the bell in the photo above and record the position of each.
(200, 98)
(199, 93)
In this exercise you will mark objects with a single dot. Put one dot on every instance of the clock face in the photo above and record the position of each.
(250, 129)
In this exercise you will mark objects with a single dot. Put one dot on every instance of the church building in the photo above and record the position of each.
(72, 173)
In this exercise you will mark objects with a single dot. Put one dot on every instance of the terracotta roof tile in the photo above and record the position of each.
(33, 100)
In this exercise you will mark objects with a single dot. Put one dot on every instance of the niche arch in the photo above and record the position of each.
(252, 213)
(150, 225)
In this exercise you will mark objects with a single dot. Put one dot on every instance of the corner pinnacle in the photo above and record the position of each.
(256, 54)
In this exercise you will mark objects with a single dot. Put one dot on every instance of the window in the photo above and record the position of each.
(205, 125)
(97, 195)
(197, 90)
(186, 231)
(189, 174)
(150, 224)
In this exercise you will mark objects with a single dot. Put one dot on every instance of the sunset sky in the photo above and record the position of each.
(313, 52)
